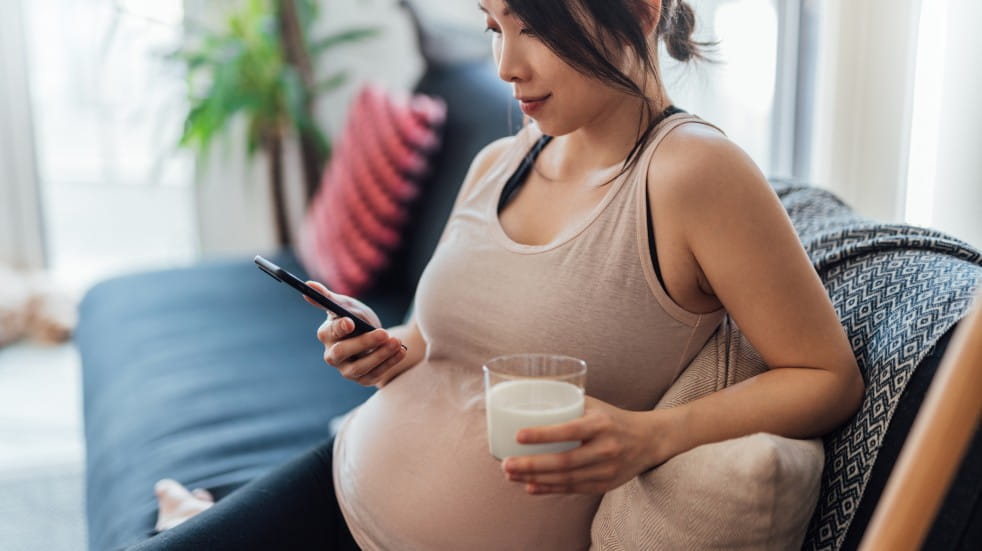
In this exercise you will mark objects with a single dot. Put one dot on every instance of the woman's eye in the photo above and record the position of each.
(523, 32)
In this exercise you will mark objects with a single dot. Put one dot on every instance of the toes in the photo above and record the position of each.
(203, 494)
(170, 490)
(177, 504)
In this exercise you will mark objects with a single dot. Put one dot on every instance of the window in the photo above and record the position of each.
(763, 59)
(107, 113)
(759, 92)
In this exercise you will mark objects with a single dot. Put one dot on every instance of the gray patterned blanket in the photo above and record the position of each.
(897, 290)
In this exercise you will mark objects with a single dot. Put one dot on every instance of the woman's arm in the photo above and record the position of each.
(751, 260)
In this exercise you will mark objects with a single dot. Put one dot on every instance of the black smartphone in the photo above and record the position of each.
(279, 274)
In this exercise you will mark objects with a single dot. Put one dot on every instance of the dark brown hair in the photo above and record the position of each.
(587, 34)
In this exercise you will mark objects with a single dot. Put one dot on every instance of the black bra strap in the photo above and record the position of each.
(518, 178)
(521, 174)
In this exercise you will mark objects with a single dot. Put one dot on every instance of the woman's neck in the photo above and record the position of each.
(601, 146)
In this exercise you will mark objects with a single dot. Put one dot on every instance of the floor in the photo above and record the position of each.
(41, 449)
(42, 454)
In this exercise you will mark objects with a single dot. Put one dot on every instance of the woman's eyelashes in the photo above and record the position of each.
(523, 32)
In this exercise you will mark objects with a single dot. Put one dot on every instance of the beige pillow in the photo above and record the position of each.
(755, 492)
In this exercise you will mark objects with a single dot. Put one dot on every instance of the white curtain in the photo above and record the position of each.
(21, 237)
(862, 120)
(957, 179)
(876, 129)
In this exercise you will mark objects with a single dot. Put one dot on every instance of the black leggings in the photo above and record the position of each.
(292, 507)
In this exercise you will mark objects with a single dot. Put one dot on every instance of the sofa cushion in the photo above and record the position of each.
(357, 215)
(760, 497)
(754, 493)
(480, 109)
(210, 375)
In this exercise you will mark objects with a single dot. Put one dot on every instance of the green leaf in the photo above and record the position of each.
(240, 70)
(335, 81)
(352, 35)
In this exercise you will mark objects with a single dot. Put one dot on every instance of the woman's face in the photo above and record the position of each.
(558, 97)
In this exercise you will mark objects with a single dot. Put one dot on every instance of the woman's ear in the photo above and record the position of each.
(651, 16)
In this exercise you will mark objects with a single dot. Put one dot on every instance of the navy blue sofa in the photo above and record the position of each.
(212, 374)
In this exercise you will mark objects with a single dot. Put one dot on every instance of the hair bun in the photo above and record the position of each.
(678, 22)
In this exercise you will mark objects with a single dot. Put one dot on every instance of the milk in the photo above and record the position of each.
(515, 405)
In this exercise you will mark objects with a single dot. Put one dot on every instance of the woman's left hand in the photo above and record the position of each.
(617, 446)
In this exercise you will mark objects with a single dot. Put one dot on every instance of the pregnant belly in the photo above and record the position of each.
(413, 471)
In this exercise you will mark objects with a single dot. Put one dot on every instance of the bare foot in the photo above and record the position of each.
(175, 503)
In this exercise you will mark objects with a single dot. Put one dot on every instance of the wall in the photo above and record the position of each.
(233, 195)
(21, 241)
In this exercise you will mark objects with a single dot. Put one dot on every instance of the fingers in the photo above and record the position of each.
(203, 494)
(339, 299)
(582, 428)
(168, 485)
(333, 330)
(321, 289)
(358, 368)
(580, 488)
(382, 374)
(340, 351)
(593, 473)
(589, 469)
(365, 359)
(324, 291)
(576, 458)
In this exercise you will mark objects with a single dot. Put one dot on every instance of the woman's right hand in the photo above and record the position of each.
(364, 359)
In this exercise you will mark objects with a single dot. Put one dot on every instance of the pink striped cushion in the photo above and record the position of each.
(355, 219)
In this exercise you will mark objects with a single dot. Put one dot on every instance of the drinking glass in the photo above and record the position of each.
(531, 390)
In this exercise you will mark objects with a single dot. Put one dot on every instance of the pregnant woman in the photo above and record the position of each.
(614, 227)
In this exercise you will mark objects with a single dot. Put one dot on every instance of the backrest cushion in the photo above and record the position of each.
(480, 109)
(357, 215)
(749, 493)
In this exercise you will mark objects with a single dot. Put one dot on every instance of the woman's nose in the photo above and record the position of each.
(512, 63)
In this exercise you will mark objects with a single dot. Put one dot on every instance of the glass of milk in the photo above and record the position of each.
(531, 390)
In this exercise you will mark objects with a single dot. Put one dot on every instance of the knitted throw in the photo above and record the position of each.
(897, 290)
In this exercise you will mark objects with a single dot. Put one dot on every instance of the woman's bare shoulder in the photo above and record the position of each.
(490, 154)
(697, 169)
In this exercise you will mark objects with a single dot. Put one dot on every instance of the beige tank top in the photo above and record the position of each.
(412, 469)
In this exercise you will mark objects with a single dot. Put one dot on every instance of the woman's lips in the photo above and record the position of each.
(530, 106)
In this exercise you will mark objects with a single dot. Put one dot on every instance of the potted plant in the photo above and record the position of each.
(259, 65)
